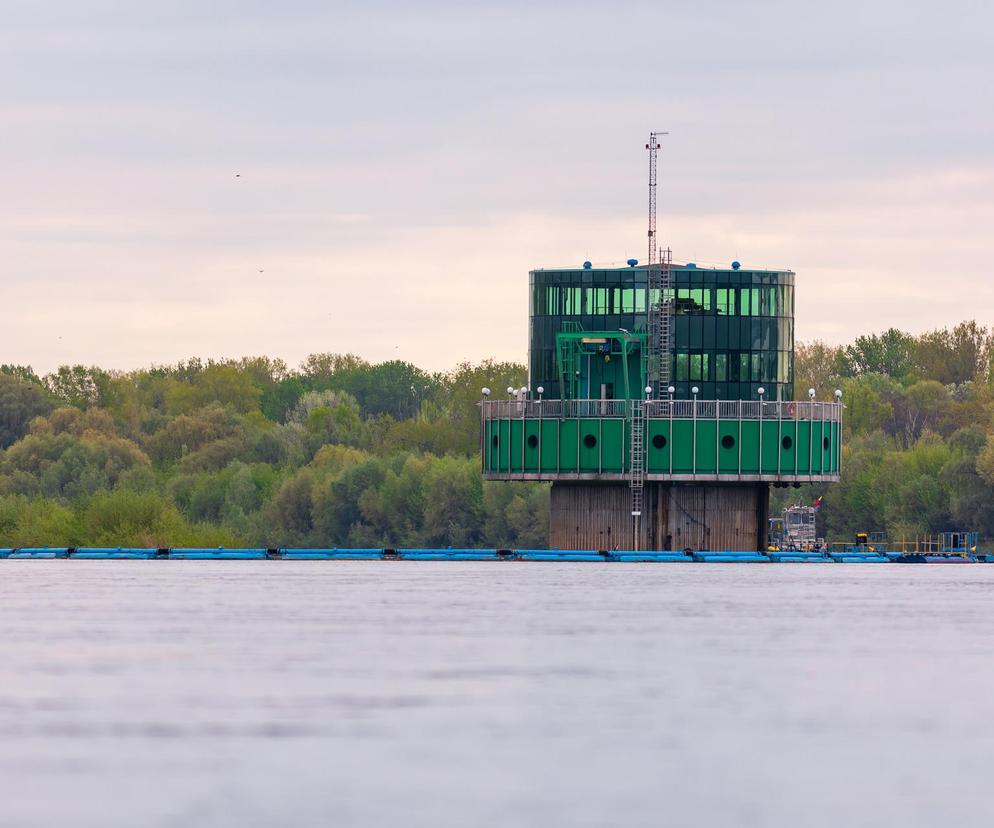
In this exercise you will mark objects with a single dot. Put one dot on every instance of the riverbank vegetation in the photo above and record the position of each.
(343, 452)
(918, 432)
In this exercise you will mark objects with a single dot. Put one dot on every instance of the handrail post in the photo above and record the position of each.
(693, 468)
(797, 433)
(739, 471)
(524, 406)
(538, 465)
(759, 465)
(670, 441)
(779, 435)
(717, 437)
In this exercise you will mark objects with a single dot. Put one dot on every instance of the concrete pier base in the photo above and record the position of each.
(675, 516)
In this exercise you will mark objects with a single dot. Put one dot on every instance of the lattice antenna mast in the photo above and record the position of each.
(653, 146)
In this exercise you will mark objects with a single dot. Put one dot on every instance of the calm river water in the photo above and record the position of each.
(473, 694)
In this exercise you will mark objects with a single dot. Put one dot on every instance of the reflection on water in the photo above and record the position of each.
(420, 694)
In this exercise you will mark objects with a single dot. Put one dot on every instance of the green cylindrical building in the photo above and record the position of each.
(733, 330)
(661, 406)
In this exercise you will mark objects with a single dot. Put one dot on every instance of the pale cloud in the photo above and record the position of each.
(394, 171)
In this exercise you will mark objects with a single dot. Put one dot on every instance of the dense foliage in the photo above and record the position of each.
(343, 452)
(918, 432)
(339, 452)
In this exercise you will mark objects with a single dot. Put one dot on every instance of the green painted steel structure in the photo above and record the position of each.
(732, 331)
(696, 423)
(793, 442)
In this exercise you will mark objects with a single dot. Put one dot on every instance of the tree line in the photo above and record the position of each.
(918, 431)
(338, 452)
(343, 452)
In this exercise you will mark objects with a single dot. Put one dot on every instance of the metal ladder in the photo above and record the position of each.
(660, 324)
(637, 471)
(659, 315)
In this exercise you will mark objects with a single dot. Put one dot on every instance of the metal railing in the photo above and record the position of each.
(660, 409)
(744, 410)
(559, 409)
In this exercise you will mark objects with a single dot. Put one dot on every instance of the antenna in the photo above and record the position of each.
(652, 146)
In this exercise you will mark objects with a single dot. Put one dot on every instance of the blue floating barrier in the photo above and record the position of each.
(800, 559)
(39, 552)
(422, 555)
(854, 554)
(117, 553)
(861, 559)
(305, 555)
(563, 558)
(730, 556)
(738, 559)
(219, 554)
(950, 559)
(447, 554)
(332, 554)
(559, 555)
(650, 556)
(848, 555)
(478, 555)
(797, 555)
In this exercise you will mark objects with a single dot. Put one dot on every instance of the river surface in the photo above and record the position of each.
(275, 693)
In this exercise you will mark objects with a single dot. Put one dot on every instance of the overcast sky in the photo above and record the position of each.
(221, 179)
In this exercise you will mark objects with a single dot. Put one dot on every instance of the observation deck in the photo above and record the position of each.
(728, 441)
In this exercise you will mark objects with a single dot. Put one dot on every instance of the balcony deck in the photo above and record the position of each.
(685, 440)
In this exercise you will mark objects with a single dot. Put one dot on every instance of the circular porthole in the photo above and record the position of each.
(659, 441)
(728, 441)
(590, 441)
(532, 441)
(787, 442)
(825, 443)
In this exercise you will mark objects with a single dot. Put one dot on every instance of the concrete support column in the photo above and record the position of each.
(675, 516)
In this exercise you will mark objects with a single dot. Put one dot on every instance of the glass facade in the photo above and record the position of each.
(733, 330)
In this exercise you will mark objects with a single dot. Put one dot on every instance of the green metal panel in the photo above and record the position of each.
(683, 441)
(803, 446)
(770, 446)
(658, 450)
(728, 447)
(595, 445)
(501, 448)
(707, 442)
(788, 446)
(613, 456)
(817, 433)
(569, 444)
(515, 455)
(589, 444)
(532, 428)
(550, 443)
(750, 446)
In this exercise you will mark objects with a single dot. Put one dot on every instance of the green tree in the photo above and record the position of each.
(78, 385)
(891, 353)
(955, 356)
(814, 366)
(20, 402)
(221, 384)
